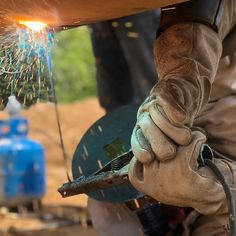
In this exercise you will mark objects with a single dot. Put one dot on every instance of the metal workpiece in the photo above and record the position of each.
(95, 182)
(114, 173)
(59, 13)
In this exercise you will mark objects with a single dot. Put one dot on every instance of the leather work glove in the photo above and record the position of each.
(186, 58)
(182, 182)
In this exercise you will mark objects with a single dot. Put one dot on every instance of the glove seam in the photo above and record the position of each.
(200, 95)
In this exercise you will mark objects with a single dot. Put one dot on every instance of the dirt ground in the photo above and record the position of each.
(75, 120)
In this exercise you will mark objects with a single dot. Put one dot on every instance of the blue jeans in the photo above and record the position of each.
(124, 58)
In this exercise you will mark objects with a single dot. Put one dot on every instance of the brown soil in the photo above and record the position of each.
(75, 120)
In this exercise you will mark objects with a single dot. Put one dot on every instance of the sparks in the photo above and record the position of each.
(36, 26)
(25, 62)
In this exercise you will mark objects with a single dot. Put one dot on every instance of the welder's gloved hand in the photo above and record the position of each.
(162, 120)
(182, 182)
(186, 58)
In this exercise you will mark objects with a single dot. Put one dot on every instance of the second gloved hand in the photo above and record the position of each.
(182, 182)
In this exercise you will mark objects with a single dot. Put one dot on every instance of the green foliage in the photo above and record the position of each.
(73, 65)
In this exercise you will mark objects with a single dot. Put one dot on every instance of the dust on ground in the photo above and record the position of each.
(75, 118)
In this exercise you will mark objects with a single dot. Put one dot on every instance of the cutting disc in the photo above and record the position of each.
(106, 139)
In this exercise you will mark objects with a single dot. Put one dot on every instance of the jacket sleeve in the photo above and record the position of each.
(186, 57)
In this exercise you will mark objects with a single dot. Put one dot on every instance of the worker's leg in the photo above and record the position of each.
(124, 58)
(113, 77)
(136, 35)
(114, 219)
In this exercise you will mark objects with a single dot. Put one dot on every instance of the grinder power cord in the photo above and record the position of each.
(206, 158)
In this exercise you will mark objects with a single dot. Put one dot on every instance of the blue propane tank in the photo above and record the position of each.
(22, 164)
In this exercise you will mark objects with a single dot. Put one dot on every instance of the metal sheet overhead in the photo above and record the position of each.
(74, 12)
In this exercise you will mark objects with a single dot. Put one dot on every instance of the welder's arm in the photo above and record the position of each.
(186, 57)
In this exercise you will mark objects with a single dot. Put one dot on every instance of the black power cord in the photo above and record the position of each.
(206, 159)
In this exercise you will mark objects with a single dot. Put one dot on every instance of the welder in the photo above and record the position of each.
(194, 102)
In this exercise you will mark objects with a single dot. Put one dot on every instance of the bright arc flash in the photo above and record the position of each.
(36, 26)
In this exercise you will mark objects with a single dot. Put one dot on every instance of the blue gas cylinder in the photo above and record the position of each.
(22, 164)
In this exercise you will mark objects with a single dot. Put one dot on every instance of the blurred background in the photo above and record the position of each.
(74, 75)
(73, 65)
